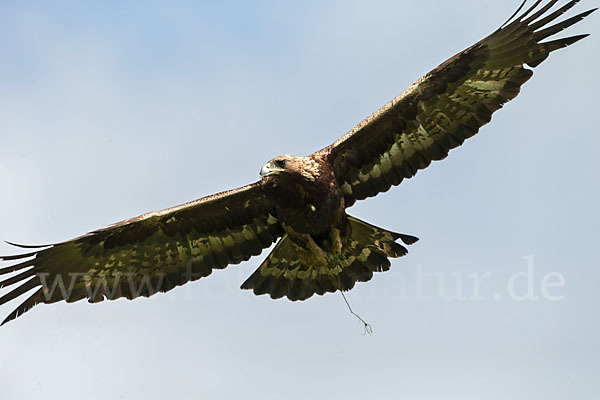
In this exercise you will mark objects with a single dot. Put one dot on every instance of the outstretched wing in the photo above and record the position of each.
(151, 253)
(446, 106)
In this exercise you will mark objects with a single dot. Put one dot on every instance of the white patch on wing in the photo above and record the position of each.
(375, 171)
(385, 162)
(423, 137)
(362, 177)
(228, 241)
(486, 85)
(346, 188)
(271, 220)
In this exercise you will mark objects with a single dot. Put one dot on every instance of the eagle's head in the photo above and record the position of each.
(288, 165)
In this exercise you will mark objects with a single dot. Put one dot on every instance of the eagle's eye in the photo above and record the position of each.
(280, 163)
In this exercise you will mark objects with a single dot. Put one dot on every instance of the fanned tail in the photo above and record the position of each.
(296, 273)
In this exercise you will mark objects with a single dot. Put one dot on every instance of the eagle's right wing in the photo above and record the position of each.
(148, 254)
(446, 106)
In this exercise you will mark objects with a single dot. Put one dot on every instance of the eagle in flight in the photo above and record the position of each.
(301, 202)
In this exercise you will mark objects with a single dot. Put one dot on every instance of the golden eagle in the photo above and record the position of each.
(301, 201)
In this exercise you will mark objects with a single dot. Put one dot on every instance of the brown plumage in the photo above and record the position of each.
(301, 200)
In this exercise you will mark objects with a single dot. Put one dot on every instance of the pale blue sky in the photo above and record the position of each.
(112, 109)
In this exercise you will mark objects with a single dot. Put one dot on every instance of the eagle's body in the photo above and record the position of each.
(310, 197)
(301, 202)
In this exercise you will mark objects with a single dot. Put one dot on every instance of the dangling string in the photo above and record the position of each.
(367, 326)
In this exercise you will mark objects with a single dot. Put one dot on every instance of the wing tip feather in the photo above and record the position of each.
(28, 246)
(515, 14)
(27, 305)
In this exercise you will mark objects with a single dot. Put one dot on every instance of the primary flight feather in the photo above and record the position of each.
(301, 201)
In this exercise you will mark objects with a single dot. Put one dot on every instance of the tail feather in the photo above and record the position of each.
(294, 272)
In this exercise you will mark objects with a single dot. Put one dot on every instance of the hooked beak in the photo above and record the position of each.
(268, 169)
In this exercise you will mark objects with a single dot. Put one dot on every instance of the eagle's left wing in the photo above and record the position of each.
(151, 253)
(446, 106)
